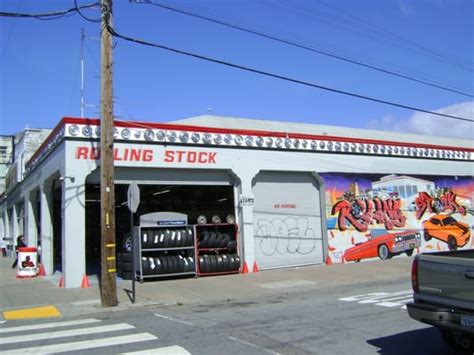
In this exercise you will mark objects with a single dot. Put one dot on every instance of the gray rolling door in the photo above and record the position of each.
(287, 220)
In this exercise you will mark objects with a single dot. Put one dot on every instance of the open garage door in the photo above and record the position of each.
(287, 220)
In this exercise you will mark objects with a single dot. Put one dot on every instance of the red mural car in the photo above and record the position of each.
(384, 244)
(445, 228)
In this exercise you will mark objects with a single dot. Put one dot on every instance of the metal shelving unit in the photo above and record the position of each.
(165, 246)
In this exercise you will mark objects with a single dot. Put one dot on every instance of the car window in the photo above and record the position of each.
(449, 220)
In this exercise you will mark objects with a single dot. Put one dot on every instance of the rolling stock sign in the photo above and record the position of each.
(148, 155)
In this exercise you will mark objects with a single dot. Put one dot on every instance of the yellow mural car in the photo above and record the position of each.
(447, 229)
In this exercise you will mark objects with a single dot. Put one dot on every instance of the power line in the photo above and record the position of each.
(78, 9)
(276, 76)
(396, 36)
(54, 15)
(302, 46)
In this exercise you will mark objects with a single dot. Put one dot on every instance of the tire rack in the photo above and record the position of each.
(217, 249)
(166, 251)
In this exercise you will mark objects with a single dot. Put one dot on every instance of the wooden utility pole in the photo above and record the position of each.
(108, 284)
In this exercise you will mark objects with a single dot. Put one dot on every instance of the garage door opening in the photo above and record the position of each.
(195, 201)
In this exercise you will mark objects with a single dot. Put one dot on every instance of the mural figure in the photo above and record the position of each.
(376, 216)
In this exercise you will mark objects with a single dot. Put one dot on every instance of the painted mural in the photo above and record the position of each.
(383, 216)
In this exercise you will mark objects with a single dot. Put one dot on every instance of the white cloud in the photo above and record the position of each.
(422, 123)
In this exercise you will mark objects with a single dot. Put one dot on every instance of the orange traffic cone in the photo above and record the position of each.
(85, 282)
(61, 282)
(328, 260)
(255, 267)
(41, 271)
(245, 269)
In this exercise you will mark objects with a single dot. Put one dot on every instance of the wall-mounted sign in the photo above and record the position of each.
(246, 200)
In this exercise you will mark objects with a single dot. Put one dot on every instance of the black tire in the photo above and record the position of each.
(145, 266)
(218, 240)
(173, 265)
(232, 244)
(173, 236)
(201, 264)
(452, 243)
(206, 263)
(426, 235)
(167, 239)
(161, 239)
(220, 263)
(125, 266)
(204, 239)
(179, 263)
(383, 252)
(165, 262)
(409, 252)
(226, 262)
(190, 237)
(159, 265)
(192, 264)
(144, 240)
(127, 275)
(237, 263)
(152, 265)
(213, 261)
(179, 238)
(125, 257)
(212, 240)
(463, 344)
(225, 240)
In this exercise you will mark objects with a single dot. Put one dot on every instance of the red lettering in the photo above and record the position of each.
(362, 212)
(192, 156)
(95, 154)
(147, 155)
(82, 152)
(423, 202)
(180, 155)
(116, 154)
(202, 157)
(135, 155)
(212, 158)
(169, 156)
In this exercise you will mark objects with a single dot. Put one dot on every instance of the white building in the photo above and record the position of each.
(265, 173)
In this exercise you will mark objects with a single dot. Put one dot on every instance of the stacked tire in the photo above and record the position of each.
(125, 266)
(214, 240)
(218, 263)
(167, 238)
(167, 264)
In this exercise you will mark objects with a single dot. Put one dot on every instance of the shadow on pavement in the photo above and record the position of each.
(420, 342)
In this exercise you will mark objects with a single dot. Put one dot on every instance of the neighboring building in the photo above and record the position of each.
(18, 149)
(404, 186)
(25, 145)
(6, 158)
(275, 179)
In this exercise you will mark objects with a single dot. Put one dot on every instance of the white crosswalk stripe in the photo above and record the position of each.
(383, 299)
(24, 339)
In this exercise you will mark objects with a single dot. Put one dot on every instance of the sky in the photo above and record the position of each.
(430, 40)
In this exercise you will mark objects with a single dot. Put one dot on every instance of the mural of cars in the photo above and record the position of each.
(445, 228)
(384, 244)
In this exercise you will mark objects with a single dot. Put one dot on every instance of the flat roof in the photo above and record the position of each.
(309, 128)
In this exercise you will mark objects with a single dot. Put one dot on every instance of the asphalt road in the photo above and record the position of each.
(311, 319)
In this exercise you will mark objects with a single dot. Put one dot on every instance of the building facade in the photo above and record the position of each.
(300, 194)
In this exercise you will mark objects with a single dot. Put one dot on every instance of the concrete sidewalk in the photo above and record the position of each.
(42, 291)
